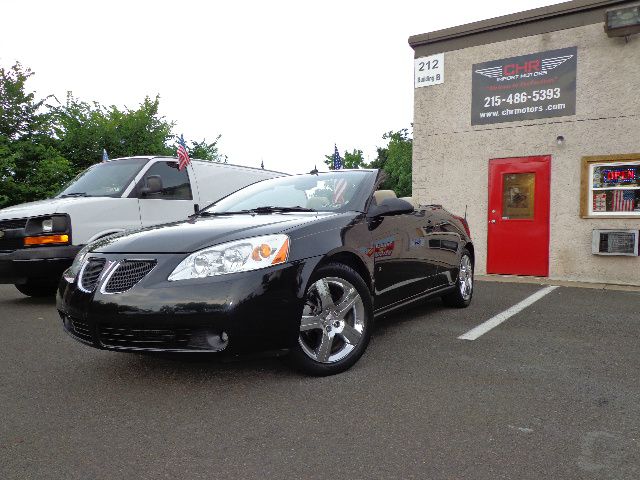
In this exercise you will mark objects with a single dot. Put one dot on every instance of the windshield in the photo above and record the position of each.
(108, 179)
(326, 192)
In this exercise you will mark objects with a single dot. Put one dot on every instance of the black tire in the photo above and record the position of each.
(461, 296)
(37, 288)
(347, 334)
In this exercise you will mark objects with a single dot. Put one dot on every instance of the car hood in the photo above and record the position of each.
(192, 235)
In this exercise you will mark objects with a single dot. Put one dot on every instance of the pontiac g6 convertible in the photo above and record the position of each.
(301, 264)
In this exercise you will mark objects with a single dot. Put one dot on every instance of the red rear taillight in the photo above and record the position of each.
(464, 224)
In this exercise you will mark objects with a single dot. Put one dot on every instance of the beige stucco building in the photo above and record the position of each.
(487, 104)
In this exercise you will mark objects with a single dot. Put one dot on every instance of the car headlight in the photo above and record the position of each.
(239, 256)
(71, 273)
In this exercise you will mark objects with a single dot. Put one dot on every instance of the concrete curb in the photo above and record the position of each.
(561, 283)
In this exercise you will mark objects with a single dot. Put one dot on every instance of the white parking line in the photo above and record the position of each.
(501, 317)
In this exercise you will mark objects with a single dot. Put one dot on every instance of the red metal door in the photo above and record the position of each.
(518, 232)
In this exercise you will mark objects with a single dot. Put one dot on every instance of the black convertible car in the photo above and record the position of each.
(302, 263)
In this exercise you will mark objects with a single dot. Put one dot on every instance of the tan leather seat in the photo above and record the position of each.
(380, 195)
(411, 201)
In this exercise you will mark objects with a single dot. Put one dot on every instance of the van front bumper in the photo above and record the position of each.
(41, 263)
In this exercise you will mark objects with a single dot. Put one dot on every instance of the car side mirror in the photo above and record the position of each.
(391, 206)
(153, 184)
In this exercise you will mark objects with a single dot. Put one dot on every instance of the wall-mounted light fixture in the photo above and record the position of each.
(560, 140)
(623, 21)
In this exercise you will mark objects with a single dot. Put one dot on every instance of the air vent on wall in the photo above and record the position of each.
(615, 242)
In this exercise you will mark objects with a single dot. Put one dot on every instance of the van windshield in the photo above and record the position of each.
(108, 179)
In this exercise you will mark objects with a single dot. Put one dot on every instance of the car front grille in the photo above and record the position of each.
(144, 337)
(91, 273)
(127, 274)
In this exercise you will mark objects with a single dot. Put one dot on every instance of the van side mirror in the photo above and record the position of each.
(153, 184)
(390, 206)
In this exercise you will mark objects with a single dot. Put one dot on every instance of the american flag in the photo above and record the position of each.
(337, 161)
(183, 156)
(341, 184)
(623, 201)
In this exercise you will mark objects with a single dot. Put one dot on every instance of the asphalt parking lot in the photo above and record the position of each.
(553, 392)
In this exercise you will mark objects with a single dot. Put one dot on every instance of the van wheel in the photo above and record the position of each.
(336, 323)
(37, 288)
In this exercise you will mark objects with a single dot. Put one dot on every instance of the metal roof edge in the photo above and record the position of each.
(151, 157)
(528, 16)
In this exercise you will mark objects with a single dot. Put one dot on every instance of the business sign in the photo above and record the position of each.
(539, 85)
(429, 70)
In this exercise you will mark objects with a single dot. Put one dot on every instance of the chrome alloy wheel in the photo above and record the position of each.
(332, 320)
(465, 278)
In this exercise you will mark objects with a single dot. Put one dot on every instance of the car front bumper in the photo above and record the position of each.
(42, 263)
(257, 310)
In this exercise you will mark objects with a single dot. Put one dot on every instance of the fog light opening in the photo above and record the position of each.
(211, 340)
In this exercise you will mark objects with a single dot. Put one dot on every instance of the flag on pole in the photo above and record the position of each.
(340, 186)
(337, 161)
(105, 157)
(183, 155)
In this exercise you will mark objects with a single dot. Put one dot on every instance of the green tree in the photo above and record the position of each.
(349, 159)
(43, 146)
(206, 151)
(85, 129)
(30, 165)
(381, 159)
(395, 160)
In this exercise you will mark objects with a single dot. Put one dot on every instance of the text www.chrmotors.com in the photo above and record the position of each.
(518, 111)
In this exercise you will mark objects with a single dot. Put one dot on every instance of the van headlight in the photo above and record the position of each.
(239, 256)
(49, 224)
(49, 230)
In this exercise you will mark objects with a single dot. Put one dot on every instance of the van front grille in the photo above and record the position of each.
(10, 243)
(13, 224)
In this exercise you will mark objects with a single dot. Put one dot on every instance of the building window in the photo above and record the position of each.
(610, 186)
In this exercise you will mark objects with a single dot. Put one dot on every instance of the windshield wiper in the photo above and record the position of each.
(75, 194)
(258, 210)
(207, 213)
(271, 209)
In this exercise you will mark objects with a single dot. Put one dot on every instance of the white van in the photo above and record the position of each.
(39, 240)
